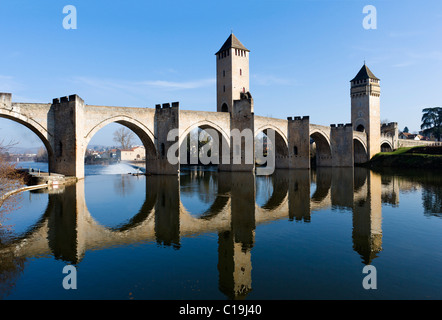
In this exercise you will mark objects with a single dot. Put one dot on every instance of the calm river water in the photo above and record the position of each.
(212, 235)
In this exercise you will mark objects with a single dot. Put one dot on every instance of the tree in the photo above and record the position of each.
(124, 137)
(432, 122)
(42, 155)
(406, 130)
(10, 180)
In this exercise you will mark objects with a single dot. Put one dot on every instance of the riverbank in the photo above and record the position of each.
(412, 157)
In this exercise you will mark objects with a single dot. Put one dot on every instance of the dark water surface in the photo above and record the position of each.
(210, 235)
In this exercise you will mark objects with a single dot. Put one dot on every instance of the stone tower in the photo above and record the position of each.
(365, 108)
(232, 73)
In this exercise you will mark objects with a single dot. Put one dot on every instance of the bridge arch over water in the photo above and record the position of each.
(144, 134)
(323, 147)
(36, 118)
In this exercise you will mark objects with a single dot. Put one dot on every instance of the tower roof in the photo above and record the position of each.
(364, 73)
(232, 42)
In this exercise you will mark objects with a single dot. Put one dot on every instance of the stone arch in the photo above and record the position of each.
(224, 142)
(323, 153)
(360, 151)
(277, 130)
(281, 145)
(145, 134)
(204, 124)
(35, 127)
(386, 146)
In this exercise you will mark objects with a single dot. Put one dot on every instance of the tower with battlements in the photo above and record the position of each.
(365, 107)
(232, 73)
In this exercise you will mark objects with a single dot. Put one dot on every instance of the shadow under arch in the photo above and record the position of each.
(323, 155)
(386, 146)
(360, 151)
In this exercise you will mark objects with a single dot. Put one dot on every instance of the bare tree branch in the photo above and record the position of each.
(124, 137)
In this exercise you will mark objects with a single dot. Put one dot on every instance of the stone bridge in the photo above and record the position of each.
(66, 126)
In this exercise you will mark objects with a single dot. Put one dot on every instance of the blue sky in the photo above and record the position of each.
(303, 55)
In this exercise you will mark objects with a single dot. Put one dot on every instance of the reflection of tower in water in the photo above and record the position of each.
(235, 245)
(367, 220)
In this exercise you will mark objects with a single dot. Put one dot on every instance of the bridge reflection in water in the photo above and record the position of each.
(67, 229)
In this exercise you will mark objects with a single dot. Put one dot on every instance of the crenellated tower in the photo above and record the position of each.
(365, 107)
(232, 73)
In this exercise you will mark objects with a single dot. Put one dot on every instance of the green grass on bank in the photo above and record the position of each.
(411, 157)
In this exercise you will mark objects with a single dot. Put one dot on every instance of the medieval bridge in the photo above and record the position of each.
(66, 126)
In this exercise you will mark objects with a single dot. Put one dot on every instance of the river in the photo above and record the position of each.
(297, 234)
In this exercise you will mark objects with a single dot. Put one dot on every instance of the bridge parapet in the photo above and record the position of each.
(5, 100)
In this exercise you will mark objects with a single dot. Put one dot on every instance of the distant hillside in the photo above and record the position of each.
(24, 150)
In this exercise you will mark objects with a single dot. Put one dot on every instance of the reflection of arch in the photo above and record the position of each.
(140, 217)
(323, 184)
(34, 126)
(360, 178)
(279, 194)
(35, 228)
(207, 180)
(145, 211)
(360, 151)
(217, 207)
(145, 135)
(323, 148)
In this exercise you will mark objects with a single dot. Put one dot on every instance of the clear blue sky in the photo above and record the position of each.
(303, 55)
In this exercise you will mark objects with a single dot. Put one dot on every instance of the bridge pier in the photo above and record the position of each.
(166, 119)
(68, 137)
(341, 139)
(299, 142)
